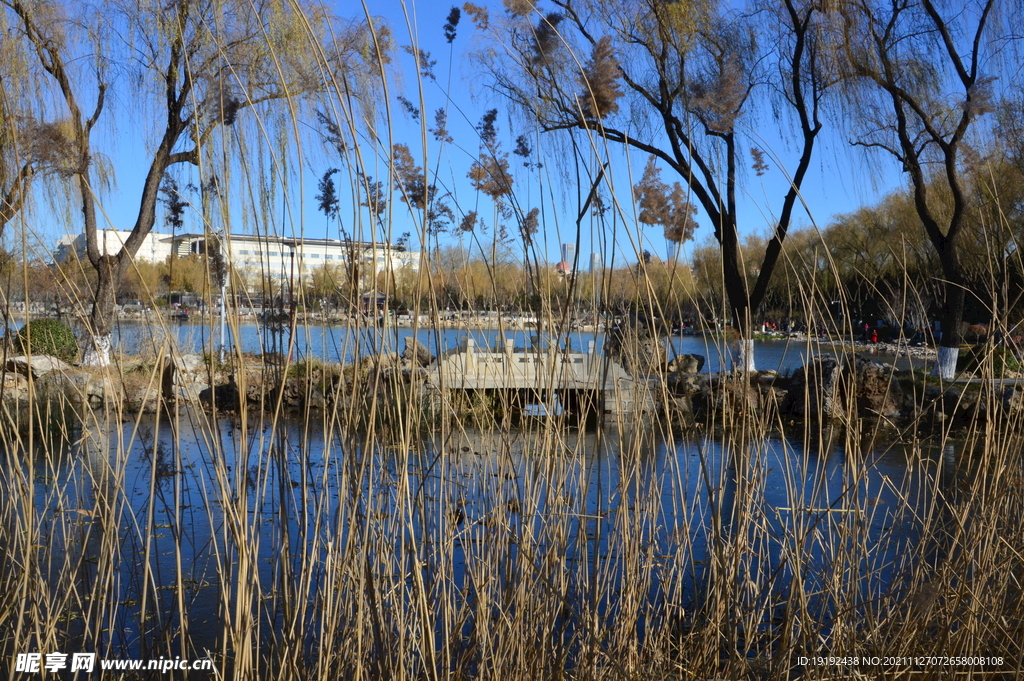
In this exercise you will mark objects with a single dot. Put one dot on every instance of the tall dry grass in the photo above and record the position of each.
(374, 539)
(402, 544)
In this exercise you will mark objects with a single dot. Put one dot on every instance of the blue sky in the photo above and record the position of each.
(839, 181)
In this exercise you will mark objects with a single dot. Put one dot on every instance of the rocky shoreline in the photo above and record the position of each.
(825, 388)
(898, 348)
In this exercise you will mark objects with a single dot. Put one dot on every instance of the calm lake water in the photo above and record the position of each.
(343, 343)
(296, 489)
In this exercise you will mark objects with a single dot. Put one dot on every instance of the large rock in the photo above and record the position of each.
(682, 383)
(638, 351)
(686, 364)
(14, 387)
(969, 405)
(189, 364)
(82, 388)
(292, 394)
(1013, 400)
(297, 394)
(185, 376)
(37, 365)
(145, 399)
(878, 391)
(824, 387)
(226, 397)
(417, 353)
(733, 393)
(257, 384)
(315, 399)
(815, 390)
(104, 392)
(680, 411)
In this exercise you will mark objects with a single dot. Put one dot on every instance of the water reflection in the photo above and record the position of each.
(184, 527)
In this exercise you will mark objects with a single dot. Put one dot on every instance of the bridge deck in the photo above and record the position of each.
(505, 368)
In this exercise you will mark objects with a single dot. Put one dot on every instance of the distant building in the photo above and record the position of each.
(569, 254)
(287, 258)
(673, 251)
(155, 247)
(273, 256)
(596, 275)
(563, 268)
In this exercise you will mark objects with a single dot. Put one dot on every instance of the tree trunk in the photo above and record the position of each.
(954, 298)
(96, 348)
(743, 348)
(739, 305)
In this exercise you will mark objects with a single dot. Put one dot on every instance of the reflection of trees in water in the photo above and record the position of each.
(752, 539)
(779, 535)
(950, 575)
(699, 527)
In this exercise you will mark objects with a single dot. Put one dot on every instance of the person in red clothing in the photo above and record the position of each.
(874, 335)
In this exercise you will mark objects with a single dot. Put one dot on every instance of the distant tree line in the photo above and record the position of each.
(873, 264)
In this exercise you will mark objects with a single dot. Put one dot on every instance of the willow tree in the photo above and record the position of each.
(921, 77)
(180, 71)
(16, 170)
(678, 81)
(30, 145)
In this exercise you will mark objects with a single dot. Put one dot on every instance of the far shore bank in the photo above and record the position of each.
(524, 328)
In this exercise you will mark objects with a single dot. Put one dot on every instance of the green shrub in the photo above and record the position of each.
(48, 337)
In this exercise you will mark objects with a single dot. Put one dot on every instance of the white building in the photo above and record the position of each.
(291, 258)
(272, 256)
(155, 247)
